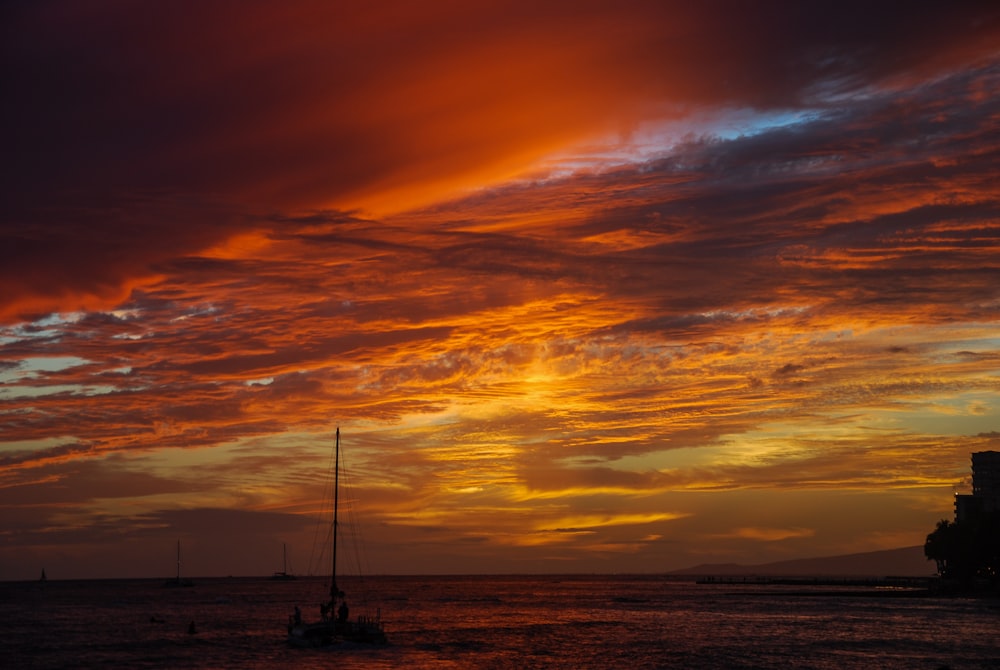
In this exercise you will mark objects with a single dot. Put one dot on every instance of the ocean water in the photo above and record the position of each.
(494, 622)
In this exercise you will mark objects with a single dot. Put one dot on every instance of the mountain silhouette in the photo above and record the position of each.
(904, 562)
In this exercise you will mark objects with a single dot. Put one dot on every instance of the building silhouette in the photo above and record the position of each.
(985, 496)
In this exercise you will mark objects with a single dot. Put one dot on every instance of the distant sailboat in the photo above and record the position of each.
(43, 578)
(178, 581)
(284, 575)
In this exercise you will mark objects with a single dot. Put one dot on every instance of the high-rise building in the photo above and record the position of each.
(985, 495)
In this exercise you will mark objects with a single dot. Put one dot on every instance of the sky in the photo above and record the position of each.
(586, 286)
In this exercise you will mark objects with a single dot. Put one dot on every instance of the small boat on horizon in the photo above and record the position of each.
(172, 583)
(284, 575)
(335, 625)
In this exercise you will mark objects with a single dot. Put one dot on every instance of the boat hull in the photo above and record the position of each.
(331, 633)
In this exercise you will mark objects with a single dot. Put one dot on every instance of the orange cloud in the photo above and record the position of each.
(773, 534)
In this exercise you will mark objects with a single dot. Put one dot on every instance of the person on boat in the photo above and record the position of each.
(342, 612)
(298, 615)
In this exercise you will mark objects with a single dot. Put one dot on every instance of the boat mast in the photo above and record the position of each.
(334, 591)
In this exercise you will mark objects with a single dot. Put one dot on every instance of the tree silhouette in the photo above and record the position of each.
(967, 550)
(940, 546)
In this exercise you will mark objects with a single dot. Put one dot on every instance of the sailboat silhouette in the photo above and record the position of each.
(334, 626)
(178, 581)
(284, 574)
